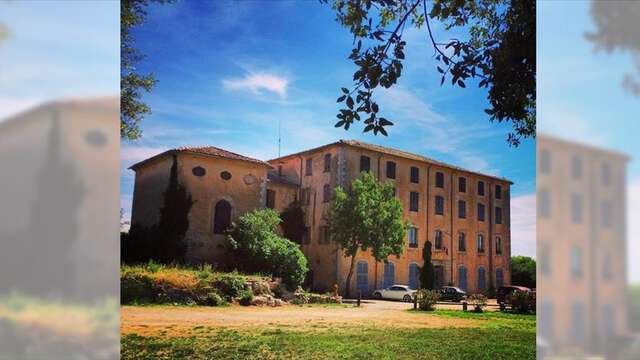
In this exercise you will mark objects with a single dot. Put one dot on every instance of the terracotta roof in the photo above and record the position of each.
(394, 152)
(206, 151)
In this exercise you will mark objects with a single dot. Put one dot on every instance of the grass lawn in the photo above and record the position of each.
(497, 336)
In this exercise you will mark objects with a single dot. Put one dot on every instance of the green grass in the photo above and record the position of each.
(497, 336)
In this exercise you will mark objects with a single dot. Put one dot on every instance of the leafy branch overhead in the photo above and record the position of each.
(499, 55)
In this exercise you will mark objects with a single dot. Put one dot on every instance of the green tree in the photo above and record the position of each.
(258, 248)
(523, 271)
(132, 82)
(367, 217)
(499, 52)
(426, 271)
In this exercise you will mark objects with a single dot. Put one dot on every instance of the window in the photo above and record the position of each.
(439, 179)
(415, 175)
(547, 319)
(499, 277)
(198, 171)
(271, 199)
(325, 236)
(305, 196)
(414, 201)
(326, 193)
(544, 200)
(576, 261)
(462, 184)
(482, 281)
(576, 208)
(327, 162)
(498, 215)
(480, 188)
(225, 175)
(462, 209)
(439, 205)
(221, 217)
(438, 240)
(413, 237)
(545, 161)
(462, 277)
(480, 243)
(414, 276)
(365, 163)
(462, 242)
(362, 277)
(606, 174)
(498, 245)
(578, 324)
(606, 214)
(309, 167)
(389, 274)
(576, 167)
(391, 170)
(498, 192)
(545, 260)
(606, 266)
(480, 212)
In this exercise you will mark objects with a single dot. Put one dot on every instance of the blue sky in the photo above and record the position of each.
(229, 73)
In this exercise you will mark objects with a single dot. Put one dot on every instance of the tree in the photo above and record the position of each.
(523, 271)
(132, 82)
(367, 217)
(426, 271)
(258, 248)
(500, 53)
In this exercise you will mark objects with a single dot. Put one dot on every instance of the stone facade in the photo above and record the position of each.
(311, 177)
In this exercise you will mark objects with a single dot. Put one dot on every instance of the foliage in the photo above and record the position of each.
(367, 217)
(245, 297)
(478, 301)
(258, 248)
(522, 302)
(132, 82)
(231, 285)
(427, 299)
(427, 271)
(293, 226)
(499, 52)
(523, 271)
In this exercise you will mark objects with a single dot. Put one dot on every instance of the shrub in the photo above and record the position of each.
(231, 285)
(427, 299)
(259, 249)
(136, 287)
(153, 266)
(213, 299)
(478, 301)
(522, 302)
(245, 297)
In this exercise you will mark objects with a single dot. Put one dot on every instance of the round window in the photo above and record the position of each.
(225, 175)
(199, 171)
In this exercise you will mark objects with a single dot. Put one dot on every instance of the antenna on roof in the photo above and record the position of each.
(278, 137)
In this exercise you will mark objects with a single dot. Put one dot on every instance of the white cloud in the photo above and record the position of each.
(259, 82)
(523, 225)
(130, 155)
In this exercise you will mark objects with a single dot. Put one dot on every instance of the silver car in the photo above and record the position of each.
(395, 292)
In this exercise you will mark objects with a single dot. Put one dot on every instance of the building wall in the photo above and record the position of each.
(327, 260)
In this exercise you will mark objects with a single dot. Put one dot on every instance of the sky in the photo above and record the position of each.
(231, 74)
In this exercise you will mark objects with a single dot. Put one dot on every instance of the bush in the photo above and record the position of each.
(522, 302)
(478, 301)
(427, 299)
(213, 299)
(231, 285)
(137, 287)
(245, 297)
(259, 249)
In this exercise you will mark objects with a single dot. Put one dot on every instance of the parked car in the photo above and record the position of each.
(395, 292)
(452, 293)
(503, 295)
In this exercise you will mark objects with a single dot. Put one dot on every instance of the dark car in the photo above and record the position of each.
(452, 293)
(503, 295)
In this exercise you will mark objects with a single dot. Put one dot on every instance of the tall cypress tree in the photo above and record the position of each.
(426, 271)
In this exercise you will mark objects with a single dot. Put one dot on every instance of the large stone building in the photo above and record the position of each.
(465, 214)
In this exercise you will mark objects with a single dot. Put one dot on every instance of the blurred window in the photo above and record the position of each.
(462, 209)
(576, 261)
(439, 179)
(413, 237)
(545, 161)
(606, 214)
(578, 324)
(576, 208)
(498, 215)
(480, 243)
(576, 167)
(415, 175)
(606, 174)
(480, 188)
(482, 281)
(391, 170)
(439, 205)
(414, 198)
(438, 239)
(544, 204)
(462, 184)
(309, 167)
(480, 212)
(365, 163)
(545, 261)
(462, 242)
(327, 162)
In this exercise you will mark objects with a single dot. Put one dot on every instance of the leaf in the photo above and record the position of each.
(350, 102)
(383, 131)
(440, 70)
(461, 84)
(341, 98)
(368, 128)
(374, 107)
(385, 122)
(442, 81)
(345, 90)
(340, 123)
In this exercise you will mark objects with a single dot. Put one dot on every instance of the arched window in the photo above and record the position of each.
(362, 277)
(482, 281)
(414, 276)
(499, 277)
(389, 274)
(462, 277)
(221, 217)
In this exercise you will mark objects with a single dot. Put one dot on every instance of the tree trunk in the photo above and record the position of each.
(353, 265)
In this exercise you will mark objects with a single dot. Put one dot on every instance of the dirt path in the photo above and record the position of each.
(176, 321)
